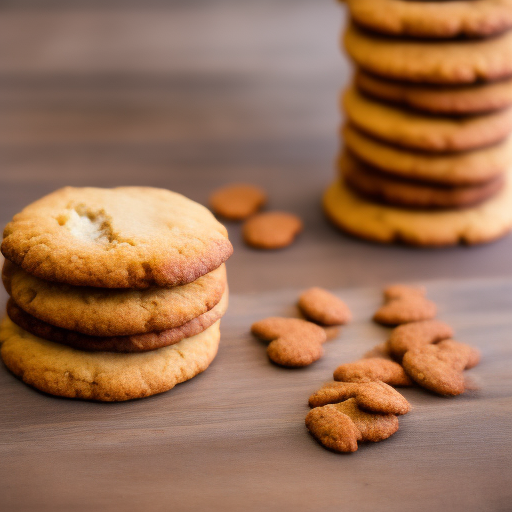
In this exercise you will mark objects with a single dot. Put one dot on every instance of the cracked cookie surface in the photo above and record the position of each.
(127, 237)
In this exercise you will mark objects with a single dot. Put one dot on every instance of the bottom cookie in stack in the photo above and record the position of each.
(106, 376)
(365, 218)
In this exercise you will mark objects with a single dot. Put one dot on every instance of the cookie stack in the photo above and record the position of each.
(427, 148)
(114, 293)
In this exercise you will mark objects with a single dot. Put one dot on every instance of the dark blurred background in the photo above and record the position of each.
(190, 95)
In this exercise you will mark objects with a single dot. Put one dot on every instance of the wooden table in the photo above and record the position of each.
(188, 96)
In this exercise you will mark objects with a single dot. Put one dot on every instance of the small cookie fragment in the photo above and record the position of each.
(340, 426)
(293, 342)
(439, 368)
(271, 230)
(415, 335)
(237, 201)
(372, 369)
(404, 304)
(323, 307)
(370, 396)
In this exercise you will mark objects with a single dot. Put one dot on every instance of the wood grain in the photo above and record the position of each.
(234, 437)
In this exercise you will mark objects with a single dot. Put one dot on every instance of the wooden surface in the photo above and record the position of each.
(234, 438)
(188, 96)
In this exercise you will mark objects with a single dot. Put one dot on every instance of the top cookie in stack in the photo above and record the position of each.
(427, 148)
(115, 293)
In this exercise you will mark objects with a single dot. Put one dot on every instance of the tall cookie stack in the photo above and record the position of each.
(427, 153)
(114, 293)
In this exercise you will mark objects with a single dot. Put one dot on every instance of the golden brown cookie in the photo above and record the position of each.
(113, 312)
(134, 343)
(483, 223)
(271, 230)
(402, 310)
(237, 201)
(388, 189)
(447, 100)
(105, 376)
(293, 342)
(459, 61)
(433, 19)
(371, 370)
(370, 396)
(413, 130)
(340, 426)
(439, 367)
(415, 335)
(322, 307)
(127, 237)
(460, 168)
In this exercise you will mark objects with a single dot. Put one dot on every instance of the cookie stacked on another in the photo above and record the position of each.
(427, 156)
(114, 293)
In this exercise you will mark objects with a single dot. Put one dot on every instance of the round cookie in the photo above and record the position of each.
(463, 168)
(454, 100)
(108, 312)
(395, 191)
(135, 343)
(410, 129)
(472, 18)
(105, 376)
(379, 223)
(443, 62)
(127, 237)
